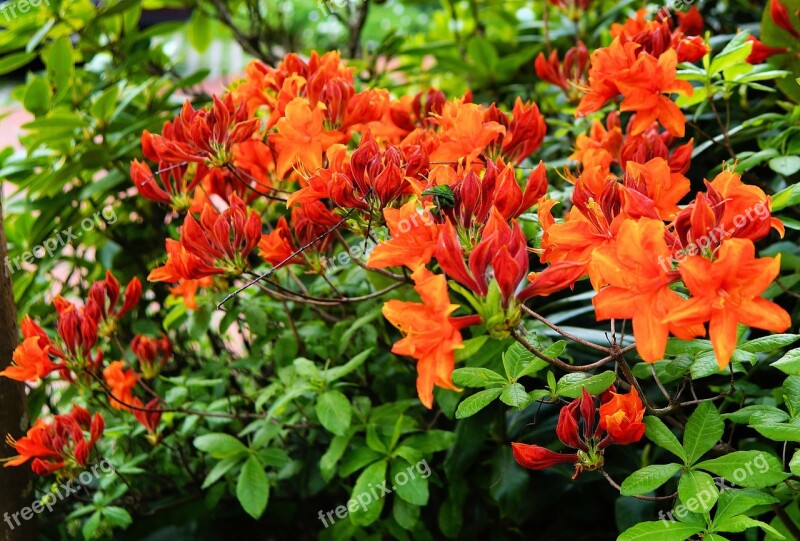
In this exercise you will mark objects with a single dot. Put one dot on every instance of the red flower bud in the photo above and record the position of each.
(762, 52)
(567, 427)
(535, 457)
(133, 292)
(780, 15)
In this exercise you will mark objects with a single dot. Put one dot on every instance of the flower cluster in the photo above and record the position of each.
(85, 333)
(59, 445)
(620, 423)
(443, 175)
(290, 157)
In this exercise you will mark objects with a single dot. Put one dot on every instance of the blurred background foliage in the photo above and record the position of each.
(91, 76)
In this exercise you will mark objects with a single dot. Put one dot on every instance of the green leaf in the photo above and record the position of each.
(734, 53)
(769, 343)
(791, 394)
(219, 445)
(252, 488)
(220, 468)
(794, 463)
(762, 412)
(555, 350)
(39, 36)
(405, 514)
(91, 525)
(14, 61)
(657, 432)
(199, 31)
(518, 362)
(476, 377)
(60, 62)
(475, 403)
(103, 106)
(741, 523)
(785, 165)
(409, 483)
(661, 530)
(338, 372)
(334, 412)
(483, 54)
(789, 363)
(571, 385)
(515, 395)
(357, 459)
(37, 96)
(327, 464)
(431, 441)
(749, 469)
(734, 502)
(778, 431)
(370, 507)
(117, 516)
(697, 491)
(703, 431)
(648, 479)
(785, 198)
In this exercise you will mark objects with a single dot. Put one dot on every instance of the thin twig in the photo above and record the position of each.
(564, 333)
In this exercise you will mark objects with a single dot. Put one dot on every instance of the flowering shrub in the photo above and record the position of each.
(355, 281)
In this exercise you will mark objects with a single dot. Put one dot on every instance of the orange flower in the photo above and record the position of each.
(609, 65)
(277, 246)
(638, 286)
(655, 180)
(644, 88)
(589, 224)
(253, 158)
(431, 335)
(464, 133)
(726, 292)
(621, 417)
(747, 208)
(413, 242)
(301, 137)
(31, 362)
(602, 144)
(188, 290)
(121, 383)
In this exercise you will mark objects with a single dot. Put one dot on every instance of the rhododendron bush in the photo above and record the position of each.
(531, 280)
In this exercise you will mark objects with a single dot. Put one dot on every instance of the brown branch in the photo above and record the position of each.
(786, 520)
(17, 483)
(357, 28)
(565, 366)
(564, 333)
(107, 391)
